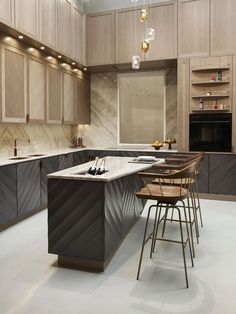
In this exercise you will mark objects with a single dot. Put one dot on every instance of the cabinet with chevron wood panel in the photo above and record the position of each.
(8, 201)
(28, 186)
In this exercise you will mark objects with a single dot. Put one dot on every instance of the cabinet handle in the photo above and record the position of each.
(62, 120)
(27, 118)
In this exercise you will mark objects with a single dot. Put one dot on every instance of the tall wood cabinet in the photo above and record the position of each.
(64, 27)
(78, 33)
(7, 12)
(14, 97)
(54, 94)
(129, 35)
(163, 18)
(193, 27)
(48, 22)
(26, 17)
(68, 98)
(100, 38)
(223, 30)
(36, 74)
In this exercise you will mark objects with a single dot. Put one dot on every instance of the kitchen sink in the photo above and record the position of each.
(36, 155)
(18, 158)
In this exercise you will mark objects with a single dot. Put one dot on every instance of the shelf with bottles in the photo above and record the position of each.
(203, 105)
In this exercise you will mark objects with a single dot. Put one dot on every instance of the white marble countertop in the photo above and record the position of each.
(117, 167)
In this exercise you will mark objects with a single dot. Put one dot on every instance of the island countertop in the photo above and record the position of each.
(116, 167)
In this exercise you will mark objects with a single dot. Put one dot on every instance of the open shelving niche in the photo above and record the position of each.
(215, 93)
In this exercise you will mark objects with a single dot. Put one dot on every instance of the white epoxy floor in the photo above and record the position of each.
(31, 283)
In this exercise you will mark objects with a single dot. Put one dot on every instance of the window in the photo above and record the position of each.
(141, 107)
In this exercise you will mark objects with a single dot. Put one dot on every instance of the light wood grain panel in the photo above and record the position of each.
(36, 89)
(1, 89)
(183, 104)
(54, 94)
(193, 28)
(163, 18)
(223, 27)
(26, 17)
(65, 27)
(68, 98)
(13, 85)
(79, 42)
(129, 35)
(48, 22)
(100, 38)
(7, 12)
(82, 99)
(234, 107)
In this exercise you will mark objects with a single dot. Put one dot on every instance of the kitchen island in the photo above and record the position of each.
(89, 216)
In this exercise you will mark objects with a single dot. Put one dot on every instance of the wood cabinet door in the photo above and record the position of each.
(13, 85)
(223, 30)
(183, 104)
(7, 12)
(54, 94)
(26, 17)
(48, 22)
(68, 98)
(193, 28)
(8, 203)
(28, 186)
(36, 90)
(234, 108)
(163, 18)
(78, 32)
(82, 99)
(64, 27)
(100, 38)
(129, 35)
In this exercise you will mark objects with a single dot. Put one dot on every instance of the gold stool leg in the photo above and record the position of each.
(199, 206)
(156, 230)
(191, 227)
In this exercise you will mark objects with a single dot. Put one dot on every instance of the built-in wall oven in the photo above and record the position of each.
(210, 132)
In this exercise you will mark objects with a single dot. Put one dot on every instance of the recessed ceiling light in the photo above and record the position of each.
(20, 36)
(8, 38)
(31, 49)
(73, 63)
(63, 64)
(85, 69)
(42, 47)
(75, 70)
(59, 56)
(49, 57)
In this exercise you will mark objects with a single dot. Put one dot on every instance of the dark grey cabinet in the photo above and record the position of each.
(8, 201)
(203, 178)
(80, 157)
(65, 161)
(47, 166)
(28, 186)
(222, 174)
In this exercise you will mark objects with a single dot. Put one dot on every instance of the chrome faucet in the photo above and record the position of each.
(15, 143)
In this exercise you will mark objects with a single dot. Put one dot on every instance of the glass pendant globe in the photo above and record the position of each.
(150, 33)
(135, 62)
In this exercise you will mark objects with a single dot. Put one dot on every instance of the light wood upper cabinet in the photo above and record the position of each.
(193, 27)
(82, 99)
(65, 27)
(13, 85)
(36, 109)
(129, 35)
(68, 98)
(48, 22)
(54, 94)
(163, 18)
(78, 31)
(26, 17)
(100, 38)
(223, 30)
(7, 12)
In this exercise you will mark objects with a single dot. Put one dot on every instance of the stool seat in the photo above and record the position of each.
(164, 193)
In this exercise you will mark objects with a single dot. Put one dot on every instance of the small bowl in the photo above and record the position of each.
(157, 146)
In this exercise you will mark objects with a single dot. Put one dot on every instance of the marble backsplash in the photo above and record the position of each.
(43, 137)
(102, 132)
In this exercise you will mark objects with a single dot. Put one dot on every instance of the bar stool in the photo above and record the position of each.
(167, 196)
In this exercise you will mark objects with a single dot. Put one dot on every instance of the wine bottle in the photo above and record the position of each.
(201, 104)
(101, 169)
(93, 169)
